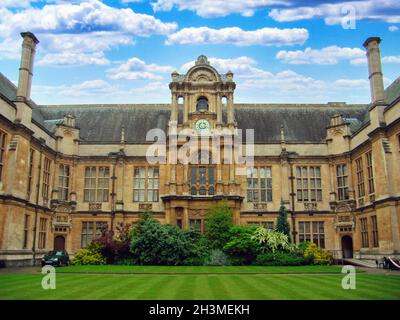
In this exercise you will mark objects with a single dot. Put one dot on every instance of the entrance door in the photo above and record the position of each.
(59, 243)
(347, 247)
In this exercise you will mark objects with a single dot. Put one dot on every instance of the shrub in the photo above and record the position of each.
(272, 240)
(219, 221)
(91, 255)
(242, 248)
(115, 246)
(280, 259)
(217, 258)
(317, 255)
(153, 243)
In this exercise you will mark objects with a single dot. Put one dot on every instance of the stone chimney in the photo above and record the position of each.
(25, 77)
(26, 68)
(376, 79)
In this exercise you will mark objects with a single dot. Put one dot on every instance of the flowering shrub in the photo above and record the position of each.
(317, 254)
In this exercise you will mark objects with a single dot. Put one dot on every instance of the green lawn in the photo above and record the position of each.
(197, 269)
(134, 282)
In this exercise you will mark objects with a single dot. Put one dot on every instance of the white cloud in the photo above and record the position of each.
(16, 3)
(393, 28)
(78, 27)
(391, 59)
(216, 8)
(239, 37)
(351, 83)
(327, 55)
(85, 89)
(255, 84)
(386, 10)
(136, 69)
(242, 67)
(86, 17)
(70, 58)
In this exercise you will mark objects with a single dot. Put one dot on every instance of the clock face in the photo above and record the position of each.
(202, 125)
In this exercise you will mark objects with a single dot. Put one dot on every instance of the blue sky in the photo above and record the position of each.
(123, 51)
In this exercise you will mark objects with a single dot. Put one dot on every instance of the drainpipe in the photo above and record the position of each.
(292, 194)
(42, 142)
(113, 178)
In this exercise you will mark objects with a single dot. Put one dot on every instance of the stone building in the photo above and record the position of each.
(66, 169)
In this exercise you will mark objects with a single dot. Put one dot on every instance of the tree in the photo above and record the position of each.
(115, 246)
(219, 221)
(282, 225)
(242, 248)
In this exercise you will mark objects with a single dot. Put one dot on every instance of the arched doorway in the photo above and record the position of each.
(347, 247)
(59, 243)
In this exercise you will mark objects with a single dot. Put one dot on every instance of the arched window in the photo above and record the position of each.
(202, 104)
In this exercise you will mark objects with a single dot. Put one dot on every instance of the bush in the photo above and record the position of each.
(156, 244)
(217, 258)
(91, 255)
(219, 221)
(115, 247)
(280, 259)
(272, 240)
(317, 255)
(241, 248)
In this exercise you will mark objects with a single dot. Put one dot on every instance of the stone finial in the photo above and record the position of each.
(202, 59)
(229, 75)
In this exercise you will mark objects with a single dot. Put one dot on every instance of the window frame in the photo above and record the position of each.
(308, 182)
(364, 232)
(96, 188)
(46, 178)
(30, 172)
(3, 143)
(146, 184)
(370, 172)
(258, 185)
(63, 182)
(42, 233)
(312, 231)
(360, 177)
(342, 181)
(374, 231)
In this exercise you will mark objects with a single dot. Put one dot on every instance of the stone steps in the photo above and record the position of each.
(361, 263)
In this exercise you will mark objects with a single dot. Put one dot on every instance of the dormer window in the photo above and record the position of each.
(202, 104)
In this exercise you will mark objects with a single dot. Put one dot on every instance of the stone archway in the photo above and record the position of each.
(347, 247)
(59, 243)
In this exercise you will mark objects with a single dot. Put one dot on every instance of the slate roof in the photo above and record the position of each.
(302, 123)
(103, 122)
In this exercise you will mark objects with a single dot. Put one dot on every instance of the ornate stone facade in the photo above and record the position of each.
(66, 169)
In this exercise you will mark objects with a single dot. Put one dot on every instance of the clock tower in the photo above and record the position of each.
(202, 90)
(202, 107)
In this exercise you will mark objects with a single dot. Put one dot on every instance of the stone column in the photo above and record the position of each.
(230, 108)
(185, 108)
(219, 109)
(174, 107)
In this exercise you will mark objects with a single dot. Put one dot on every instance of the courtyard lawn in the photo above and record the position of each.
(123, 269)
(87, 282)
